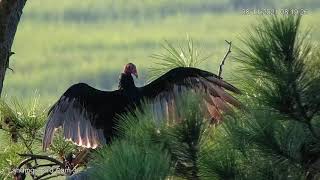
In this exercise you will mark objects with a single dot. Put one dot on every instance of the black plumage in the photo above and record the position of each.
(88, 116)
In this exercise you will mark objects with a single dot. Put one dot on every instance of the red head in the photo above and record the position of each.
(130, 69)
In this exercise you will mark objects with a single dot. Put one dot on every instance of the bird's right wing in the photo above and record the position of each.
(82, 111)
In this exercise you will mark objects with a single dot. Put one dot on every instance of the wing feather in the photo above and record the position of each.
(170, 87)
(78, 113)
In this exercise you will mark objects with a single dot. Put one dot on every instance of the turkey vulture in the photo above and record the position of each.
(88, 116)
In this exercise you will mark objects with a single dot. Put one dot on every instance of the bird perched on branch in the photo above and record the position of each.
(89, 116)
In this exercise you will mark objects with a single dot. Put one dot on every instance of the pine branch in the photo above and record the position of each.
(42, 157)
(33, 157)
(181, 56)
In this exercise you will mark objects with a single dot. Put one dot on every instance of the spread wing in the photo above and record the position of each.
(165, 90)
(85, 115)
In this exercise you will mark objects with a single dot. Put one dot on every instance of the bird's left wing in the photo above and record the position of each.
(165, 91)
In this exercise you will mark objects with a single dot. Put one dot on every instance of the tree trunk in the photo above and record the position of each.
(10, 13)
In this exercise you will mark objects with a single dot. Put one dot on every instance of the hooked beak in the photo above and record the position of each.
(135, 74)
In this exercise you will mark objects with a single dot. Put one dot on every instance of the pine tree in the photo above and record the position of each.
(279, 137)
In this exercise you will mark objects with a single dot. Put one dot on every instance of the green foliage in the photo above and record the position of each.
(279, 137)
(62, 147)
(276, 58)
(265, 141)
(140, 127)
(219, 160)
(21, 131)
(186, 138)
(126, 160)
(9, 158)
(23, 122)
(175, 57)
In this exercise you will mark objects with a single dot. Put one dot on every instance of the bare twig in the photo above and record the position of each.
(55, 162)
(43, 157)
(224, 58)
(45, 165)
(28, 146)
(33, 157)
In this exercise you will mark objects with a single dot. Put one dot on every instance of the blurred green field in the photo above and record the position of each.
(59, 43)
